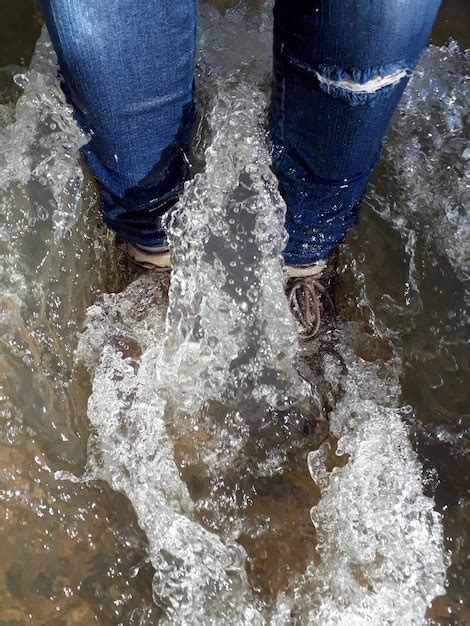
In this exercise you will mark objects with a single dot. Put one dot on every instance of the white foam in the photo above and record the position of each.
(379, 538)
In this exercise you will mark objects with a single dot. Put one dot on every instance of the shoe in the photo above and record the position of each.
(150, 259)
(308, 290)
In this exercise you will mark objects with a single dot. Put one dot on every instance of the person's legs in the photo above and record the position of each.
(340, 67)
(127, 67)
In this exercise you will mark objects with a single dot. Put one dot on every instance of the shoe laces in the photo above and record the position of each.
(306, 296)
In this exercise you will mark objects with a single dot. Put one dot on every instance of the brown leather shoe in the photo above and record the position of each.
(155, 260)
(308, 290)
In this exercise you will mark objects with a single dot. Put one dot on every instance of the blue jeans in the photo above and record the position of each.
(340, 67)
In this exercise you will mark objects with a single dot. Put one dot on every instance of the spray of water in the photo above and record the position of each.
(432, 171)
(228, 336)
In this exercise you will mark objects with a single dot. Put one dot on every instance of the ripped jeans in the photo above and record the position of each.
(340, 67)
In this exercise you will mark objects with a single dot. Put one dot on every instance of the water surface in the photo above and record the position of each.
(160, 470)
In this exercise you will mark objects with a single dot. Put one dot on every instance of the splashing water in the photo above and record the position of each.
(393, 566)
(228, 333)
(197, 415)
(431, 169)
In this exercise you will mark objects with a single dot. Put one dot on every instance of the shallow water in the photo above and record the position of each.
(160, 467)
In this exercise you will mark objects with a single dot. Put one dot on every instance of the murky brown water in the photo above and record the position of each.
(73, 552)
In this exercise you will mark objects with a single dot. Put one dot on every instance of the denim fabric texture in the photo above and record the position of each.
(127, 68)
(340, 67)
(327, 137)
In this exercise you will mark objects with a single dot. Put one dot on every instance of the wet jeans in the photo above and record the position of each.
(340, 67)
